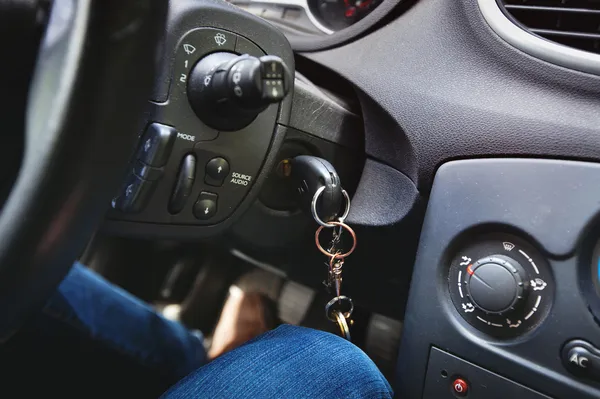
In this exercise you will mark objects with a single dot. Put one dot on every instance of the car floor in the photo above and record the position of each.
(190, 283)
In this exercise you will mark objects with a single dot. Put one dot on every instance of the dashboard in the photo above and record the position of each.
(467, 134)
(311, 25)
(311, 16)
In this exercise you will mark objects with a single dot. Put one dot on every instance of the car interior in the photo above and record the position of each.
(445, 152)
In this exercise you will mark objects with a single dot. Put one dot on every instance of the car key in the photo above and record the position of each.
(321, 191)
(319, 187)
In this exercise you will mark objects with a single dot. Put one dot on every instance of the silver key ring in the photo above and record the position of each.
(331, 315)
(313, 208)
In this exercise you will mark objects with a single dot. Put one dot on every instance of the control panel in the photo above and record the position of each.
(504, 298)
(204, 147)
(501, 286)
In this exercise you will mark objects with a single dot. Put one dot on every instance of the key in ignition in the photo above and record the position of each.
(314, 175)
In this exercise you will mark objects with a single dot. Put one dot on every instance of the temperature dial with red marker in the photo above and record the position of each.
(501, 286)
(496, 284)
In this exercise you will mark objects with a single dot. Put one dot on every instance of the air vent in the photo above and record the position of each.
(573, 23)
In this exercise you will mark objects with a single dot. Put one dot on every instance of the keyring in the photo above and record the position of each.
(343, 324)
(333, 224)
(313, 207)
(339, 299)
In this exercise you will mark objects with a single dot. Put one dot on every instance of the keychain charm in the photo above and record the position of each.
(339, 309)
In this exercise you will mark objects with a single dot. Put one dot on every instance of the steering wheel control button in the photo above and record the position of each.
(495, 284)
(217, 169)
(460, 387)
(206, 206)
(183, 184)
(146, 172)
(582, 359)
(134, 195)
(156, 145)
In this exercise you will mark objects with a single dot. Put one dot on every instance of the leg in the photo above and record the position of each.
(95, 335)
(289, 362)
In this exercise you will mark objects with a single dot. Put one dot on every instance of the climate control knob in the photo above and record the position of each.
(496, 284)
(500, 285)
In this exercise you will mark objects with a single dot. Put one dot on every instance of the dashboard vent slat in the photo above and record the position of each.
(573, 23)
(552, 9)
(550, 32)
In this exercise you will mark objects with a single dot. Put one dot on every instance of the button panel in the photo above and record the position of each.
(450, 377)
(240, 155)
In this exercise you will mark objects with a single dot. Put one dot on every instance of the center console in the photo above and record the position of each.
(504, 297)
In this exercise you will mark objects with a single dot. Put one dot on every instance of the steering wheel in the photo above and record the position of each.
(72, 96)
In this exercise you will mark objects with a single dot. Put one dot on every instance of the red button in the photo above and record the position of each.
(460, 387)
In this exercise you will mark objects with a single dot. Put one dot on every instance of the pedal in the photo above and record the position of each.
(202, 306)
(294, 302)
(382, 342)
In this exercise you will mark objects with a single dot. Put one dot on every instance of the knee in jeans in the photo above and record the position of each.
(329, 354)
(327, 348)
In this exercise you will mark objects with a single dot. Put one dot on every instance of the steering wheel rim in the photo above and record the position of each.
(94, 72)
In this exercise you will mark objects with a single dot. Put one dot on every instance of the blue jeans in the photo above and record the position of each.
(93, 339)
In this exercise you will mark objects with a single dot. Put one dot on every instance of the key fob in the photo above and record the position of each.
(310, 174)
